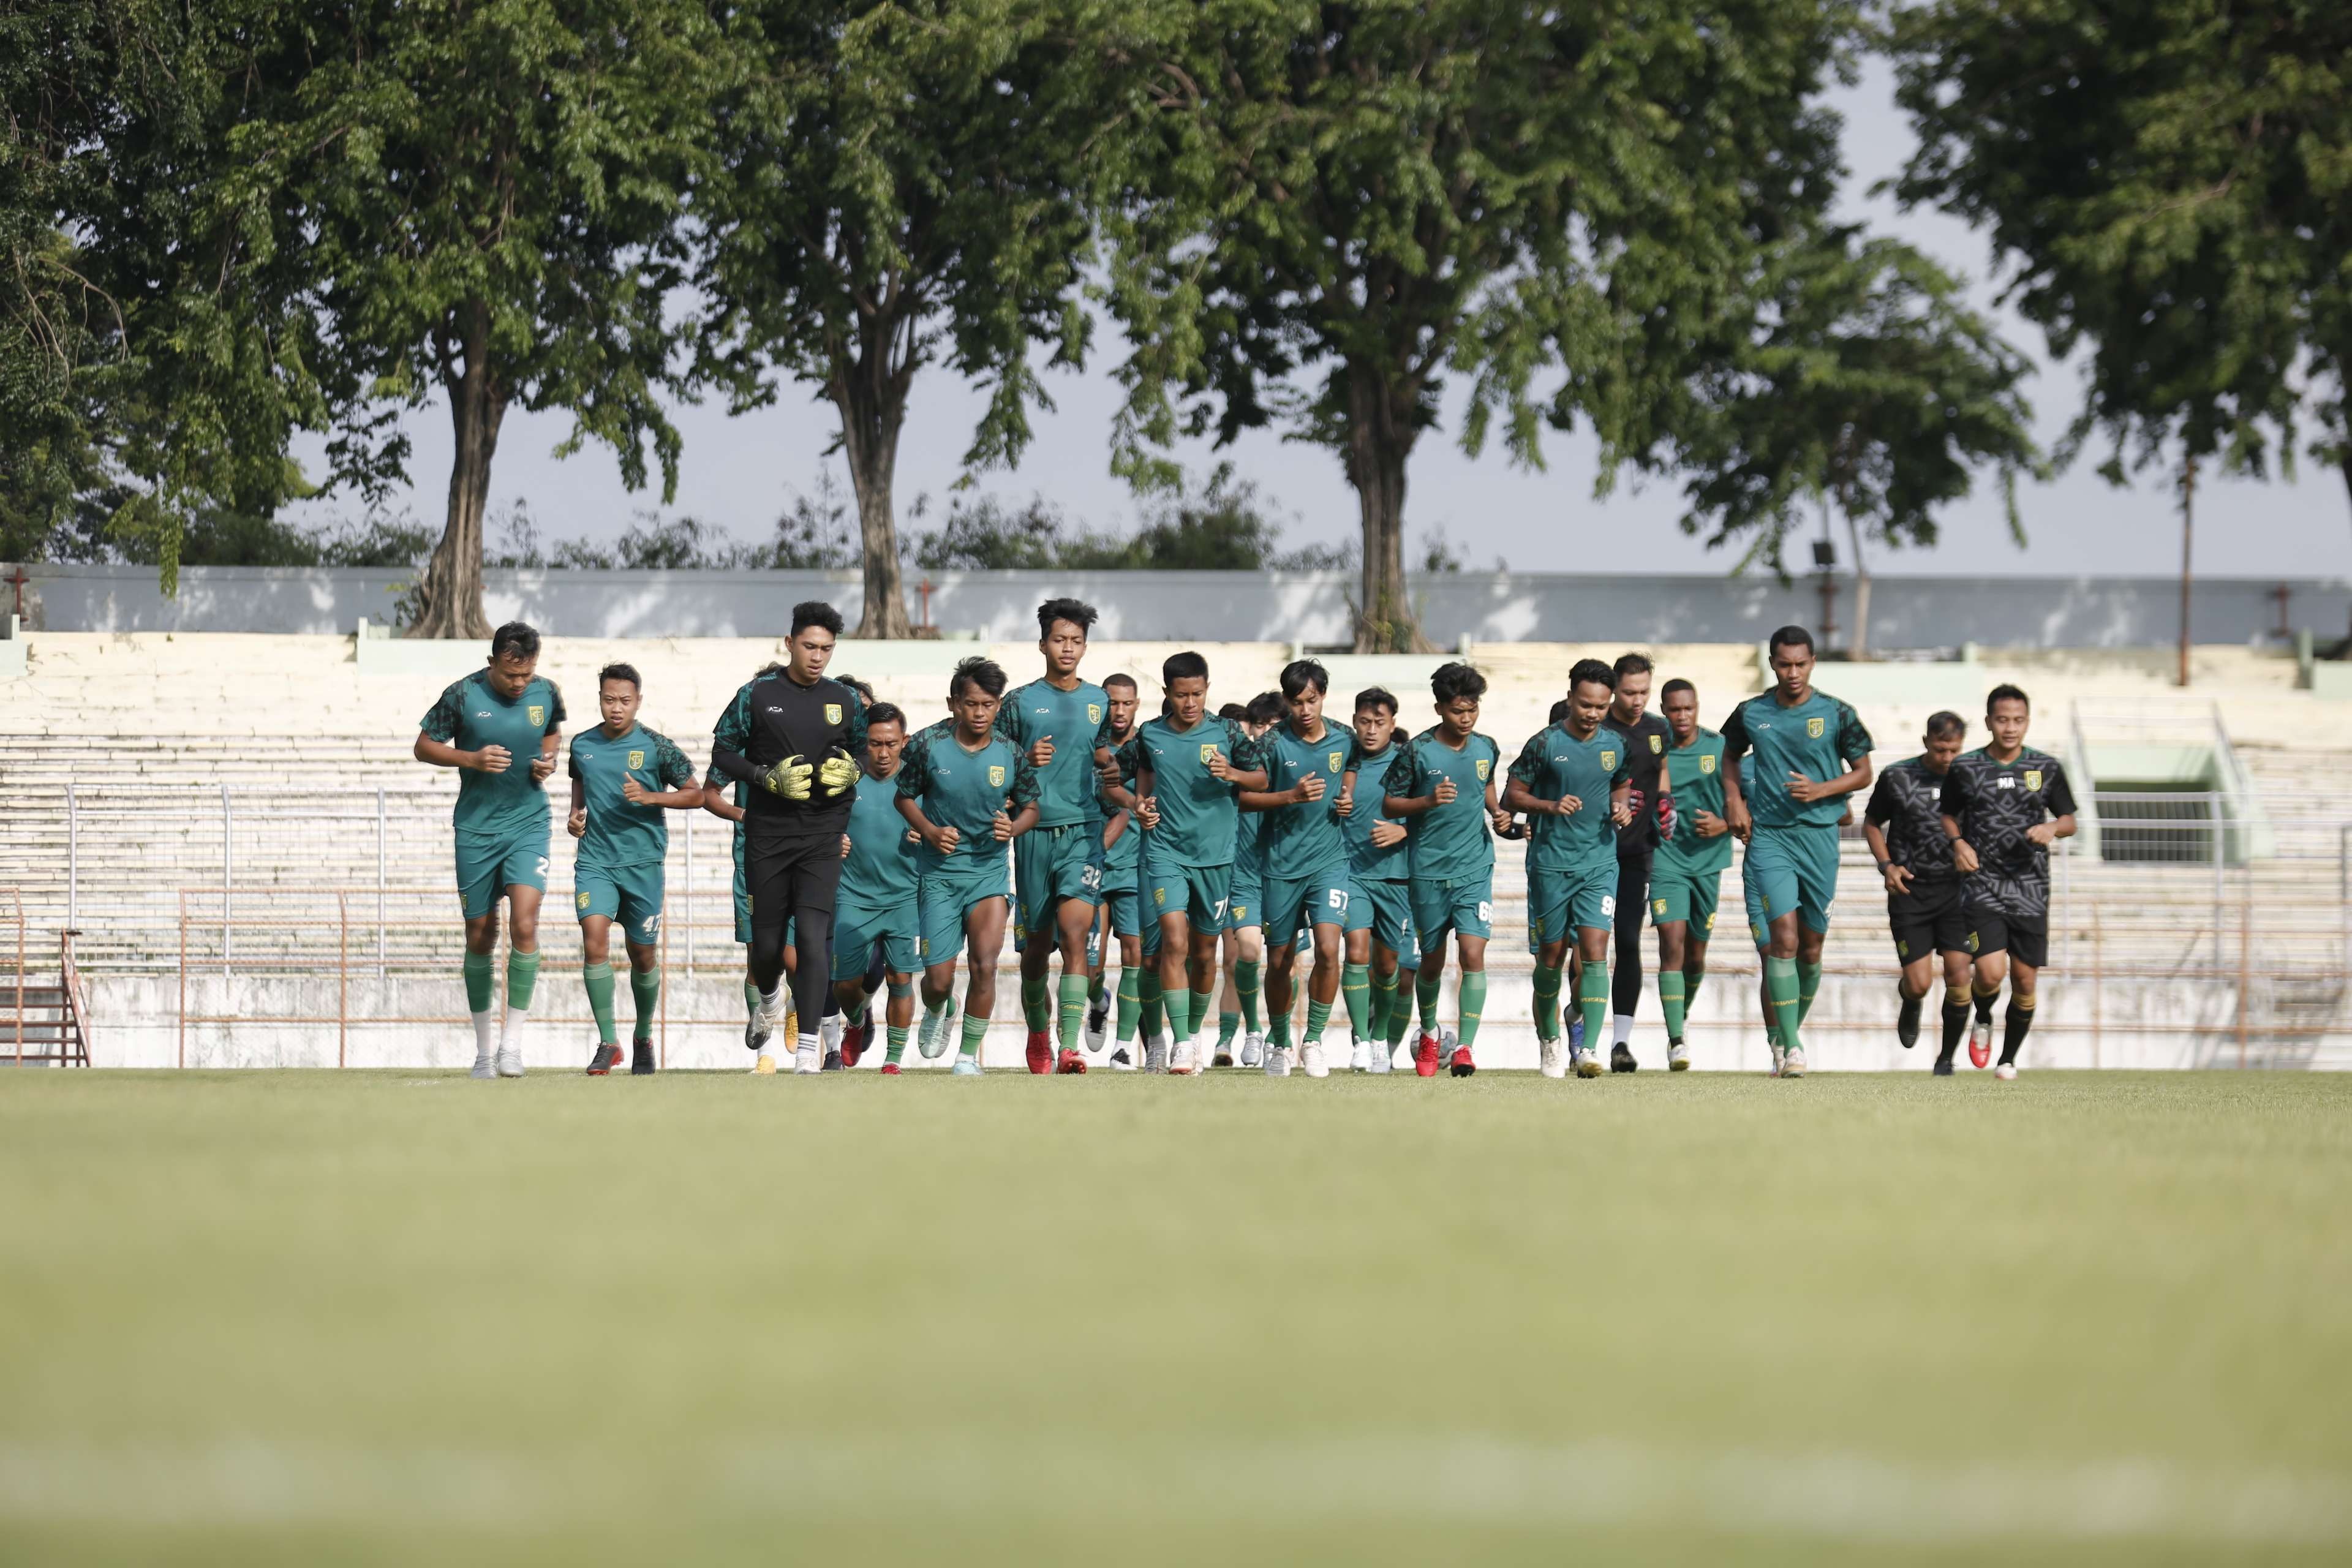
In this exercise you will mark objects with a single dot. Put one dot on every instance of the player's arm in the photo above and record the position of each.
(2059, 798)
(729, 739)
(1518, 788)
(1954, 817)
(1497, 818)
(442, 754)
(1021, 808)
(576, 822)
(543, 766)
(1854, 749)
(1735, 800)
(714, 800)
(1239, 762)
(672, 769)
(1412, 805)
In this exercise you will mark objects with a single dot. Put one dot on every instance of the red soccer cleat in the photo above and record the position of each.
(1424, 1056)
(890, 1067)
(1462, 1066)
(1070, 1062)
(1041, 1052)
(1981, 1043)
(853, 1043)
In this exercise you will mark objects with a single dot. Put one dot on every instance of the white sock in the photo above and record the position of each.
(772, 1002)
(1621, 1029)
(485, 1033)
(831, 1029)
(807, 1043)
(516, 1019)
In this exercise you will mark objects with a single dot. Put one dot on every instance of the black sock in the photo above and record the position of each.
(1910, 1003)
(2013, 1024)
(1985, 999)
(1955, 1025)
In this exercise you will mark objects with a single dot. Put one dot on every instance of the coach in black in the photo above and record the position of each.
(2003, 809)
(793, 735)
(1647, 738)
(1903, 825)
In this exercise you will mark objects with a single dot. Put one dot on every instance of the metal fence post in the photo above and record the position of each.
(73, 859)
(687, 902)
(228, 834)
(343, 980)
(379, 882)
(2221, 895)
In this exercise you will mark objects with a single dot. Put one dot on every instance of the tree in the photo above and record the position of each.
(1332, 207)
(483, 198)
(900, 188)
(2168, 183)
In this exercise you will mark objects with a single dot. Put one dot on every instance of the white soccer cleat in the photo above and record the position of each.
(1277, 1062)
(1253, 1050)
(931, 1034)
(1377, 1057)
(1360, 1057)
(1678, 1057)
(1774, 1071)
(510, 1061)
(1554, 1062)
(808, 1058)
(1098, 1024)
(1590, 1065)
(1310, 1060)
(1179, 1058)
(2004, 1070)
(1155, 1053)
(1792, 1065)
(485, 1065)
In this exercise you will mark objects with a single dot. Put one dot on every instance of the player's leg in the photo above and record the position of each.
(1395, 953)
(641, 892)
(1099, 993)
(1470, 1001)
(1673, 951)
(2029, 950)
(1817, 867)
(1073, 919)
(940, 911)
(1229, 998)
(755, 1029)
(1210, 901)
(1249, 981)
(1993, 937)
(525, 875)
(1356, 955)
(1549, 934)
(1151, 997)
(1324, 984)
(479, 892)
(856, 934)
(1037, 931)
(984, 928)
(1959, 965)
(596, 970)
(1631, 897)
(1279, 919)
(815, 881)
(1771, 876)
(1591, 912)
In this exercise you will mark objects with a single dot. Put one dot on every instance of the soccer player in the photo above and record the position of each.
(1645, 735)
(878, 912)
(1574, 780)
(1308, 885)
(1063, 724)
(794, 736)
(715, 791)
(1686, 877)
(1811, 752)
(1188, 768)
(968, 792)
(499, 727)
(1122, 892)
(1241, 949)
(2004, 806)
(1445, 785)
(1380, 916)
(1903, 825)
(623, 776)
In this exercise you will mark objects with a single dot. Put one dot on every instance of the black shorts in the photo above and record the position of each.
(2026, 942)
(787, 877)
(1929, 919)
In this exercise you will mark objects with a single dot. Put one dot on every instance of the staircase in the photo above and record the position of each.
(44, 1019)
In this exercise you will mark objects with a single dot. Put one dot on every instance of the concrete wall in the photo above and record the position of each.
(1212, 606)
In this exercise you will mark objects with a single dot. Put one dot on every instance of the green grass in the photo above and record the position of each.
(401, 1317)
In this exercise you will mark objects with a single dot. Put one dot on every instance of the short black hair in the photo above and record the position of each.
(865, 692)
(1559, 710)
(627, 672)
(1235, 711)
(1185, 665)
(814, 613)
(1454, 681)
(885, 713)
(517, 637)
(1122, 678)
(1267, 707)
(1079, 615)
(1376, 697)
(1944, 724)
(977, 671)
(1676, 684)
(1585, 669)
(1790, 636)
(2006, 692)
(1301, 673)
(773, 667)
(1629, 663)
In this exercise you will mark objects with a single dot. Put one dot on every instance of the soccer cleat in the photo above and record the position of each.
(833, 1062)
(1906, 1022)
(1120, 1061)
(891, 1069)
(763, 1063)
(1179, 1058)
(1310, 1060)
(1551, 1060)
(1097, 1023)
(484, 1066)
(1277, 1062)
(1360, 1057)
(1576, 1032)
(1620, 1058)
(756, 1031)
(510, 1061)
(1981, 1043)
(641, 1058)
(1774, 1046)
(1070, 1062)
(1379, 1059)
(1040, 1052)
(1253, 1050)
(853, 1043)
(1794, 1064)
(808, 1058)
(932, 1034)
(1155, 1053)
(1588, 1063)
(829, 1030)
(966, 1066)
(1677, 1056)
(1424, 1055)
(1221, 1060)
(604, 1059)
(1461, 1065)
(2005, 1071)
(1943, 1067)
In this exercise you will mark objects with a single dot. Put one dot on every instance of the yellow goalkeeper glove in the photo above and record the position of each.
(838, 773)
(789, 778)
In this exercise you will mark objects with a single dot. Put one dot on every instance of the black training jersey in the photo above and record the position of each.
(774, 717)
(1647, 740)
(1995, 803)
(1908, 802)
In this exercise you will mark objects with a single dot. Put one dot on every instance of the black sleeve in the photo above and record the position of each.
(1880, 809)
(2060, 797)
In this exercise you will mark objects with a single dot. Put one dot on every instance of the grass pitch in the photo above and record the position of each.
(402, 1317)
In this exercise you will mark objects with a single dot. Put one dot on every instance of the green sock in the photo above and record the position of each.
(644, 990)
(897, 1036)
(1228, 1026)
(1593, 1001)
(1809, 984)
(1096, 986)
(1473, 1002)
(1670, 998)
(1424, 994)
(598, 978)
(1401, 1006)
(1197, 1012)
(1037, 1003)
(1781, 985)
(1277, 1031)
(1318, 1017)
(751, 1000)
(1356, 991)
(1130, 1003)
(1383, 989)
(1246, 986)
(973, 1028)
(479, 992)
(1176, 1004)
(1073, 1010)
(854, 1012)
(1691, 977)
(1150, 1007)
(1547, 979)
(522, 979)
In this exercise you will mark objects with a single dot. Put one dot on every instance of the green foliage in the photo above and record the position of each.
(1224, 525)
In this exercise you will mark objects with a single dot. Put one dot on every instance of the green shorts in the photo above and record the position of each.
(1792, 869)
(1687, 896)
(1202, 894)
(1465, 906)
(743, 895)
(1246, 906)
(488, 867)
(1294, 903)
(856, 929)
(1050, 863)
(629, 894)
(1381, 907)
(1562, 903)
(947, 894)
(1125, 905)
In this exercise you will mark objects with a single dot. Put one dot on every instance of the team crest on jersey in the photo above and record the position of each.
(1608, 761)
(995, 777)
(1336, 758)
(1482, 770)
(538, 714)
(1657, 745)
(832, 712)
(636, 759)
(1814, 727)
(1094, 712)
(584, 899)
(1706, 763)
(2033, 778)
(1208, 750)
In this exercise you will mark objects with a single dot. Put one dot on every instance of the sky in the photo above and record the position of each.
(740, 472)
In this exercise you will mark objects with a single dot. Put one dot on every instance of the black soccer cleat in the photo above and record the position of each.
(1906, 1022)
(832, 1062)
(1943, 1067)
(1221, 1060)
(605, 1059)
(1620, 1058)
(641, 1058)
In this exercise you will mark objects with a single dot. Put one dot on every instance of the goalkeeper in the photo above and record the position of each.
(792, 737)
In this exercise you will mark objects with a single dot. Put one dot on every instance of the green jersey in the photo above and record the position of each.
(1450, 843)
(964, 789)
(1199, 816)
(471, 716)
(1554, 763)
(1123, 859)
(620, 834)
(1249, 849)
(1816, 738)
(1307, 839)
(1369, 861)
(880, 871)
(1076, 721)
(1695, 778)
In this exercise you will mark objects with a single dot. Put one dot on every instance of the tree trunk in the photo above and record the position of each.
(871, 393)
(449, 599)
(1379, 442)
